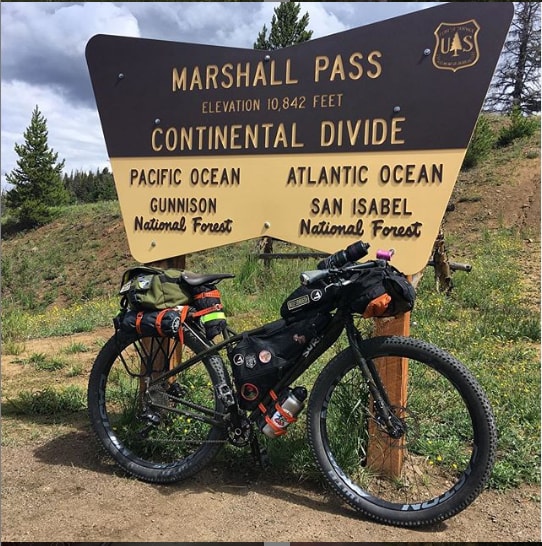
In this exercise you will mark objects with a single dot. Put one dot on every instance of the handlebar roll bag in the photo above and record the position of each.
(164, 323)
(380, 292)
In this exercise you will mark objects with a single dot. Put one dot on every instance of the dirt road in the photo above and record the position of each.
(60, 491)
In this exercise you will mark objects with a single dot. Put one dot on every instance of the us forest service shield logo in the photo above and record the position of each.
(456, 45)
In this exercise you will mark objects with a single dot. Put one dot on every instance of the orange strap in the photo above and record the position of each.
(210, 294)
(139, 318)
(288, 417)
(207, 310)
(278, 431)
(378, 306)
(158, 322)
(183, 313)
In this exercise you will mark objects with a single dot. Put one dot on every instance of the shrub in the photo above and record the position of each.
(519, 126)
(480, 145)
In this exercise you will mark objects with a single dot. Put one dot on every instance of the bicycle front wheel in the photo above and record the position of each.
(440, 464)
(167, 432)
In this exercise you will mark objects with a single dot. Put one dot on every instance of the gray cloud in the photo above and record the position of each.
(43, 43)
(43, 61)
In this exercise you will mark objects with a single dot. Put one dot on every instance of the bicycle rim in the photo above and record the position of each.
(159, 435)
(442, 462)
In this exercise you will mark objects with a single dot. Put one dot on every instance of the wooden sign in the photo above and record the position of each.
(358, 135)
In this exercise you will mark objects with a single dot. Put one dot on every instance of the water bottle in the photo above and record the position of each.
(351, 253)
(285, 413)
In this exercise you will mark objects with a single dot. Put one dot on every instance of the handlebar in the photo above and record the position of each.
(334, 264)
(308, 277)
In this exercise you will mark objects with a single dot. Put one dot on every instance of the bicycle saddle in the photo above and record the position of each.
(195, 279)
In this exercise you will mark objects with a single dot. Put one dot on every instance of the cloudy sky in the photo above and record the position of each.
(43, 61)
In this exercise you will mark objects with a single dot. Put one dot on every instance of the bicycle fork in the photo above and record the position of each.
(384, 416)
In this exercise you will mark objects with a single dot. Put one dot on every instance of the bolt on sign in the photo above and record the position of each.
(358, 135)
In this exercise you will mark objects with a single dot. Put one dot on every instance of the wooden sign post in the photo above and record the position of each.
(176, 262)
(385, 454)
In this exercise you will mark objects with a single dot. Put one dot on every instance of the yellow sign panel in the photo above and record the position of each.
(355, 136)
(318, 201)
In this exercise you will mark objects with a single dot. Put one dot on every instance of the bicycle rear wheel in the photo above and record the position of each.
(164, 435)
(446, 455)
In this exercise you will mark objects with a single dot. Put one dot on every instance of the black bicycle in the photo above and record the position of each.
(163, 407)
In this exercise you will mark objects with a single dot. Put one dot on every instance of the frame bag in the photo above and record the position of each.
(263, 356)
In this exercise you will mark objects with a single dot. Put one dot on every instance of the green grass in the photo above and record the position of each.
(492, 325)
(48, 401)
(18, 325)
(59, 261)
(42, 362)
(76, 347)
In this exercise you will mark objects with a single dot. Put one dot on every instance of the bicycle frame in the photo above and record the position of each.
(333, 331)
(341, 320)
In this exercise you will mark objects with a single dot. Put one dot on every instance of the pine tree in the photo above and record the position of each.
(286, 28)
(37, 179)
(456, 45)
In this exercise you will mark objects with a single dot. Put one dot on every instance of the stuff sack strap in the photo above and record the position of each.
(183, 315)
(209, 294)
(139, 318)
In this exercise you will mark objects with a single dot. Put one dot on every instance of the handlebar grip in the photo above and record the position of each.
(385, 254)
(308, 277)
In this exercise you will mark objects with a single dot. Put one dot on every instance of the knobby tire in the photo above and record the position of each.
(448, 450)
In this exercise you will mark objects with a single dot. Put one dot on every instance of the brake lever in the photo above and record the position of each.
(308, 277)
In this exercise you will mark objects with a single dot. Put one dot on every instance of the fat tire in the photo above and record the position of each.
(468, 484)
(134, 465)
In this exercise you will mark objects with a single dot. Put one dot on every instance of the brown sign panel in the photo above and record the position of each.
(359, 135)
